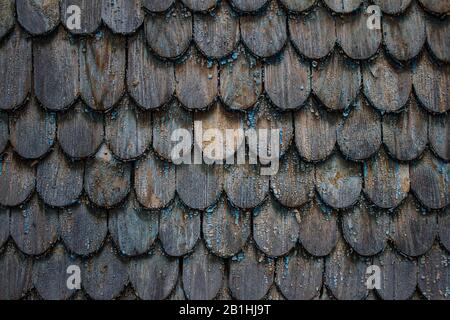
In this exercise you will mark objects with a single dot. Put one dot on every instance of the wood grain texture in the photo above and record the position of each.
(386, 181)
(251, 274)
(197, 81)
(399, 275)
(200, 5)
(365, 229)
(345, 273)
(7, 16)
(80, 131)
(150, 82)
(15, 63)
(357, 41)
(128, 130)
(241, 81)
(404, 36)
(248, 5)
(275, 228)
(338, 182)
(104, 276)
(56, 90)
(203, 274)
(225, 229)
(439, 43)
(287, 80)
(293, 185)
(17, 179)
(154, 182)
(434, 274)
(133, 229)
(360, 134)
(245, 187)
(169, 35)
(406, 134)
(34, 227)
(199, 186)
(314, 220)
(217, 33)
(315, 132)
(102, 70)
(413, 231)
(268, 118)
(63, 188)
(393, 7)
(165, 122)
(386, 85)
(436, 5)
(217, 119)
(83, 228)
(179, 229)
(337, 82)
(33, 131)
(91, 13)
(106, 180)
(430, 181)
(431, 83)
(314, 34)
(4, 225)
(4, 131)
(343, 6)
(439, 135)
(299, 276)
(123, 16)
(265, 34)
(50, 274)
(297, 5)
(444, 227)
(157, 5)
(38, 16)
(15, 278)
(154, 276)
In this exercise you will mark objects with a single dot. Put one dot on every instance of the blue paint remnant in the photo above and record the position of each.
(286, 262)
(210, 64)
(210, 210)
(251, 118)
(365, 170)
(166, 168)
(239, 257)
(323, 207)
(114, 115)
(256, 211)
(347, 112)
(236, 215)
(234, 55)
(281, 138)
(99, 35)
(27, 220)
(166, 212)
(223, 61)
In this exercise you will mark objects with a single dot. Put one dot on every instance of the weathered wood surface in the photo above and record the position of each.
(265, 35)
(33, 131)
(83, 228)
(169, 35)
(226, 229)
(217, 34)
(16, 65)
(314, 35)
(38, 16)
(59, 182)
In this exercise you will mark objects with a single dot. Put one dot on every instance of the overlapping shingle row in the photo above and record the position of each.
(85, 139)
